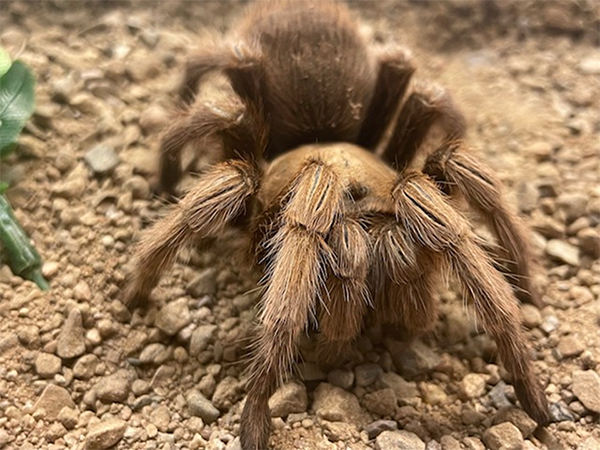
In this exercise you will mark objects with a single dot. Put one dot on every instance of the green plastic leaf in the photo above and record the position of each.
(17, 103)
(5, 61)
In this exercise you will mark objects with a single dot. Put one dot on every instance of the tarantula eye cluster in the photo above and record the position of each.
(348, 230)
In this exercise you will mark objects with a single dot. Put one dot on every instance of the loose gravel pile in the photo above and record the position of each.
(79, 371)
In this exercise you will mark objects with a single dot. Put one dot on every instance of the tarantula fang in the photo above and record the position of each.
(346, 229)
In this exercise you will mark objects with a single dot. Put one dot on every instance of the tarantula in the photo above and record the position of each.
(317, 167)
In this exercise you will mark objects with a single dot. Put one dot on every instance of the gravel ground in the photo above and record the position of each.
(78, 371)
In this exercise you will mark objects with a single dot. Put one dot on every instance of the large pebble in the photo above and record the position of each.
(590, 65)
(433, 394)
(201, 338)
(472, 386)
(573, 205)
(382, 402)
(402, 388)
(589, 241)
(102, 159)
(173, 317)
(336, 405)
(161, 416)
(374, 429)
(367, 374)
(105, 434)
(518, 418)
(342, 378)
(114, 387)
(570, 346)
(563, 251)
(205, 283)
(289, 398)
(504, 436)
(53, 399)
(399, 440)
(74, 185)
(590, 443)
(415, 360)
(531, 316)
(586, 386)
(71, 343)
(226, 393)
(47, 365)
(200, 406)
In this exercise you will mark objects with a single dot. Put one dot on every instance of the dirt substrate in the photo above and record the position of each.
(77, 370)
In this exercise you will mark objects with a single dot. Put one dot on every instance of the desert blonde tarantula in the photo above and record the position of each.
(317, 168)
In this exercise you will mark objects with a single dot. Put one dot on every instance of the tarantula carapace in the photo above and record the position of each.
(317, 166)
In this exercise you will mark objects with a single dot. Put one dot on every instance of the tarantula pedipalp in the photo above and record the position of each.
(344, 235)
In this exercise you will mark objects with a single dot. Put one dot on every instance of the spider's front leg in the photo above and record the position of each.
(432, 223)
(404, 278)
(347, 295)
(453, 165)
(295, 275)
(218, 198)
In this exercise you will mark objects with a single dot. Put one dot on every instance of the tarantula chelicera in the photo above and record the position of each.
(318, 168)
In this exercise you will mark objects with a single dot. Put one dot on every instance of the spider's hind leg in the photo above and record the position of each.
(240, 124)
(458, 169)
(393, 78)
(427, 106)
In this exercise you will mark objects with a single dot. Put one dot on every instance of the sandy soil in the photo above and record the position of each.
(77, 370)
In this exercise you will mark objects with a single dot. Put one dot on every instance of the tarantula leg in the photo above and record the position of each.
(232, 60)
(404, 276)
(395, 73)
(454, 166)
(434, 224)
(425, 107)
(241, 129)
(218, 198)
(347, 294)
(295, 275)
(196, 68)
